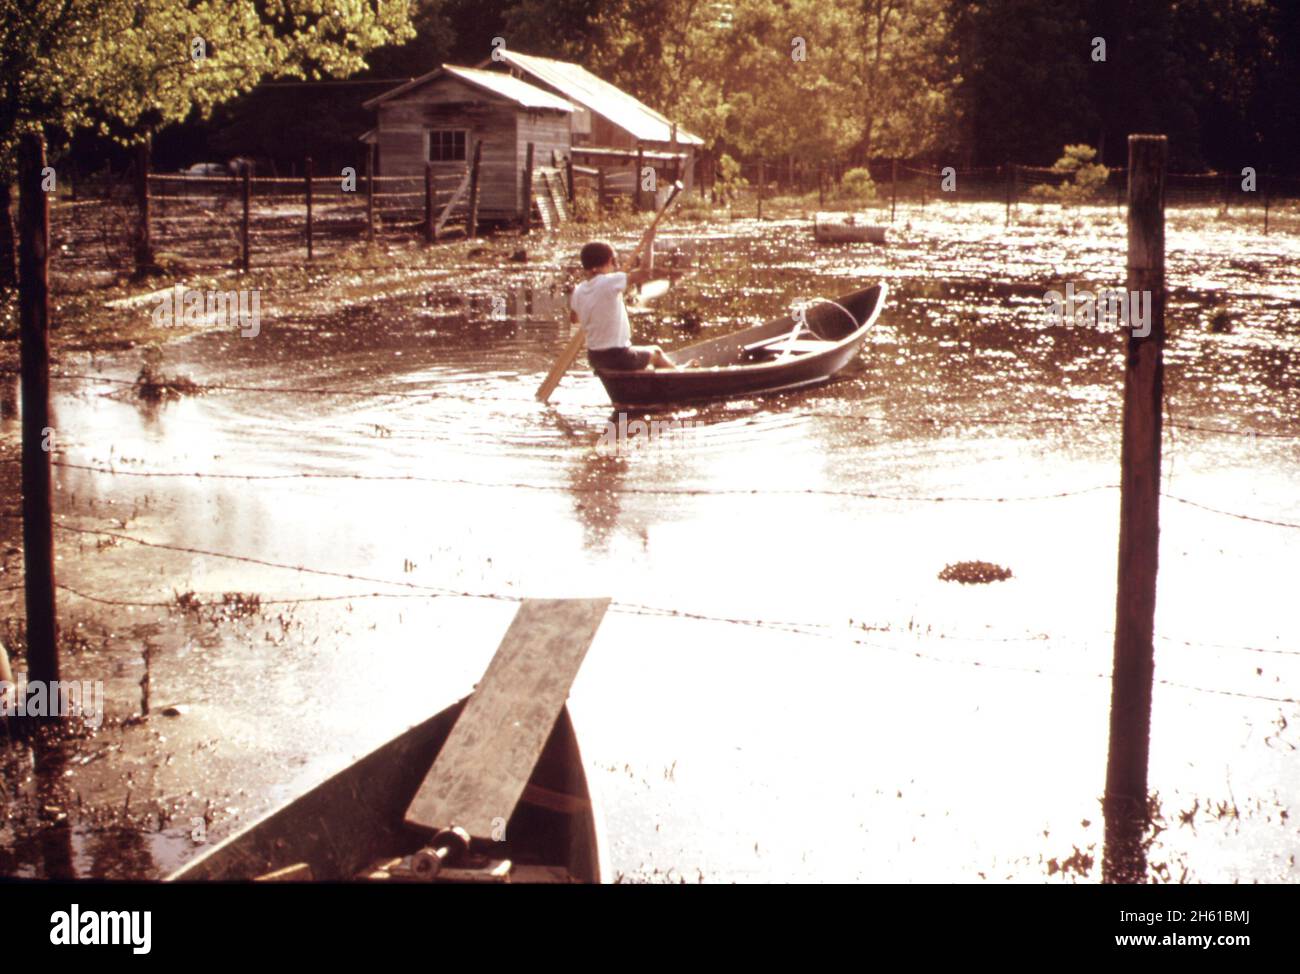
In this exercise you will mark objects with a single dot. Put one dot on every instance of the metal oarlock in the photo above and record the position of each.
(447, 848)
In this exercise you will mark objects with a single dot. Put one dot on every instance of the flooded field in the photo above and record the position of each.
(327, 544)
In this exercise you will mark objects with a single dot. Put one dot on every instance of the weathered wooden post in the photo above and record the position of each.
(144, 257)
(638, 194)
(307, 175)
(568, 176)
(471, 223)
(34, 335)
(370, 192)
(430, 216)
(1265, 180)
(762, 181)
(8, 256)
(893, 187)
(1009, 171)
(528, 188)
(247, 187)
(1125, 802)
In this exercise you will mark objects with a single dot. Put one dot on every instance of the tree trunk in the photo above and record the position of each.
(8, 274)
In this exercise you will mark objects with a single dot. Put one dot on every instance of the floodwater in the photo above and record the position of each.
(784, 689)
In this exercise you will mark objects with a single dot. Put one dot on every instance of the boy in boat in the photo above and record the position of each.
(597, 305)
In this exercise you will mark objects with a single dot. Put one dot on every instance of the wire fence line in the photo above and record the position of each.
(657, 491)
(1011, 180)
(424, 591)
(819, 630)
(420, 590)
(205, 388)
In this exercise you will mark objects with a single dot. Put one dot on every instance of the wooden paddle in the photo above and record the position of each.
(579, 337)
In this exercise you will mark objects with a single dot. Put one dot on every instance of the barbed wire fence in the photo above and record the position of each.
(219, 222)
(401, 588)
(406, 588)
(903, 188)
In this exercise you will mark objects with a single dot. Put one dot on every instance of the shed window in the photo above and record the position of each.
(447, 145)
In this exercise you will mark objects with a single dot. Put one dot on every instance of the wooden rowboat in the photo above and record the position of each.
(774, 357)
(354, 821)
(490, 790)
(848, 232)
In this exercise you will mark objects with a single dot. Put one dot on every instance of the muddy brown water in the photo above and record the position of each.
(784, 689)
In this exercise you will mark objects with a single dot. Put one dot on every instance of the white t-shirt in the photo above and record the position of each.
(598, 302)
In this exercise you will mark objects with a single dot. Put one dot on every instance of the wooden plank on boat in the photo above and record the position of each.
(484, 766)
(299, 872)
(798, 346)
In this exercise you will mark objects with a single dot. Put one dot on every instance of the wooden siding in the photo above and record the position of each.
(501, 125)
(547, 131)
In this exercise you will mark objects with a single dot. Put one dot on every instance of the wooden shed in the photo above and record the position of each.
(609, 126)
(440, 117)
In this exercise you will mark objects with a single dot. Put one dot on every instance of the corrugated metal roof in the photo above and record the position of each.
(519, 92)
(581, 86)
(508, 87)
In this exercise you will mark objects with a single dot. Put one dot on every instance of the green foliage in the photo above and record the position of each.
(728, 181)
(1084, 178)
(692, 206)
(125, 67)
(619, 208)
(858, 185)
(585, 209)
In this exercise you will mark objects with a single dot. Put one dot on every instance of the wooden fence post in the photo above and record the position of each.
(471, 223)
(1265, 180)
(528, 188)
(1125, 802)
(1010, 171)
(247, 178)
(34, 323)
(568, 176)
(307, 175)
(144, 256)
(370, 192)
(430, 198)
(638, 195)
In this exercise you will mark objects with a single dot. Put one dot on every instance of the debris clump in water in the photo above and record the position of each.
(974, 573)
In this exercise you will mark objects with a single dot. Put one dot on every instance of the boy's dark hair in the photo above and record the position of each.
(596, 254)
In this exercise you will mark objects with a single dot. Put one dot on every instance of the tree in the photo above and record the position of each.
(126, 67)
(1084, 179)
